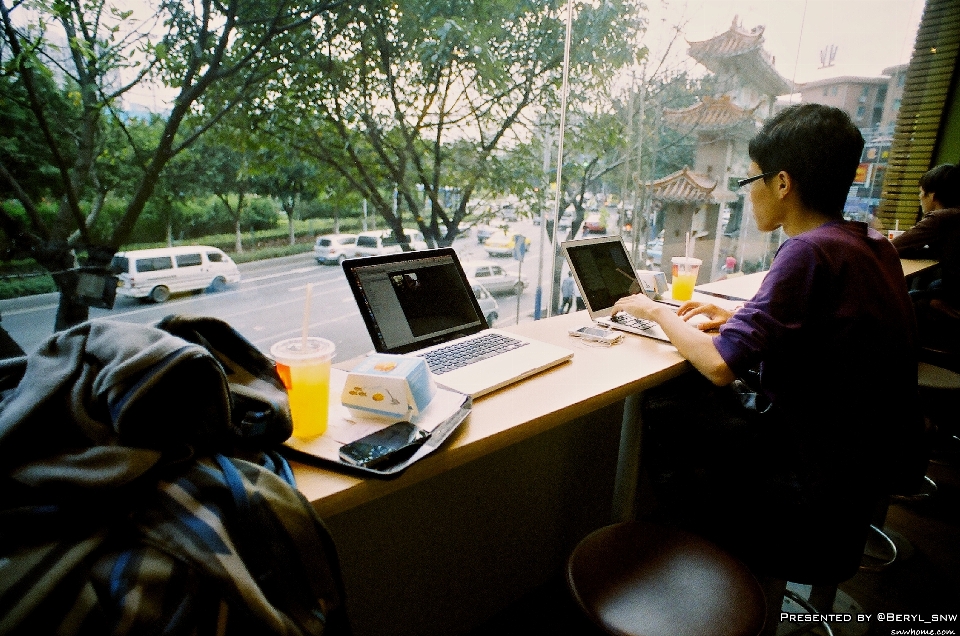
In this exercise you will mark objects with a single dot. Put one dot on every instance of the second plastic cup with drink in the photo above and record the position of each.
(684, 276)
(304, 367)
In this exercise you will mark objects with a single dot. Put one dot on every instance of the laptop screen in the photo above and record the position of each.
(603, 271)
(414, 300)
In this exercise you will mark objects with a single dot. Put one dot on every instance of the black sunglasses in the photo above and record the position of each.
(748, 180)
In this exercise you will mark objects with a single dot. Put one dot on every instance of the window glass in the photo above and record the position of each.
(189, 260)
(215, 257)
(120, 264)
(483, 272)
(154, 264)
(498, 271)
(367, 241)
(323, 242)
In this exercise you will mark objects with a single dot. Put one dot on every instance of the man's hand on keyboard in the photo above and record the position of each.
(638, 306)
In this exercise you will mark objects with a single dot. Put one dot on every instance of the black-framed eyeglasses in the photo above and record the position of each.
(749, 180)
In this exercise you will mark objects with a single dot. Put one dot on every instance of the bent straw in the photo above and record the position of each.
(306, 315)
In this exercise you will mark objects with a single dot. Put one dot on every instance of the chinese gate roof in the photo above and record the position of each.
(711, 114)
(686, 186)
(740, 52)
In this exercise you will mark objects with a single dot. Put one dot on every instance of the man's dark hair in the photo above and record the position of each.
(943, 182)
(818, 146)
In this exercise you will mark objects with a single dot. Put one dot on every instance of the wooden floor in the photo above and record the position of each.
(925, 579)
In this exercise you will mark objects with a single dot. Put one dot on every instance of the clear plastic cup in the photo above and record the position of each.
(684, 276)
(305, 371)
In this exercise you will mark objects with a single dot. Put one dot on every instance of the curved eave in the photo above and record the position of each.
(684, 186)
(734, 41)
(742, 52)
(712, 115)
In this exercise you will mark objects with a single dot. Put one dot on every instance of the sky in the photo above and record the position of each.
(870, 35)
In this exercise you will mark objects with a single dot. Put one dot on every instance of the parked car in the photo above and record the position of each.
(484, 232)
(157, 273)
(332, 249)
(494, 277)
(488, 304)
(379, 242)
(501, 244)
(655, 250)
(594, 224)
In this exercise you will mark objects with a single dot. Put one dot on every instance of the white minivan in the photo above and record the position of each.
(380, 242)
(157, 273)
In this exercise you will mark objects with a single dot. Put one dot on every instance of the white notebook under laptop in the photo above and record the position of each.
(421, 303)
(604, 275)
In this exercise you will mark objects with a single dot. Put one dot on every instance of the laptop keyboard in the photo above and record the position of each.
(460, 354)
(627, 320)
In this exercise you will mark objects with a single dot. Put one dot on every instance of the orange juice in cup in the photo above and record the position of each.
(684, 277)
(304, 366)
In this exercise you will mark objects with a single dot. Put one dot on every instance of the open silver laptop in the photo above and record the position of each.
(604, 275)
(421, 303)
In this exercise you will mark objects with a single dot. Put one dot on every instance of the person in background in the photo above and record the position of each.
(827, 353)
(567, 288)
(937, 237)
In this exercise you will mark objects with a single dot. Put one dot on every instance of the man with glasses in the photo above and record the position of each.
(828, 346)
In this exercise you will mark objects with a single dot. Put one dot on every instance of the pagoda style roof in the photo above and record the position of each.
(740, 52)
(711, 114)
(686, 186)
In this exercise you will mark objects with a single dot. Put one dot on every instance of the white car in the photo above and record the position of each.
(494, 277)
(334, 248)
(380, 242)
(488, 304)
(157, 273)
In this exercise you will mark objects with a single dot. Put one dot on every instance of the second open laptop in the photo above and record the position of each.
(604, 275)
(421, 303)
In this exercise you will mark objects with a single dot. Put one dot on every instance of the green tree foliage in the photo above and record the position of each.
(284, 175)
(391, 87)
(215, 55)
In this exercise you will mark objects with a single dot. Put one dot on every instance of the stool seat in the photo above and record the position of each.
(642, 579)
(931, 376)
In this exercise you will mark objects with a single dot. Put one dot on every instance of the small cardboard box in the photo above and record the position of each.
(653, 280)
(390, 386)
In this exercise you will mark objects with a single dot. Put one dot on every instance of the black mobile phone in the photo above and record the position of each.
(381, 446)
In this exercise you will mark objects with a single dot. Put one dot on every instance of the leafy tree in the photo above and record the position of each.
(420, 95)
(215, 55)
(285, 176)
(226, 172)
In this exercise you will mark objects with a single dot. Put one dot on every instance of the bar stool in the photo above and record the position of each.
(638, 578)
(939, 383)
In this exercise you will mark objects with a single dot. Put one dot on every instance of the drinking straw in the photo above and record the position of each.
(686, 254)
(897, 226)
(306, 315)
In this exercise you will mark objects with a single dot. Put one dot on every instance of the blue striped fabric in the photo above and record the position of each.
(179, 529)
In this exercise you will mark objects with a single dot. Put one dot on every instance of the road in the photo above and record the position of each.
(269, 302)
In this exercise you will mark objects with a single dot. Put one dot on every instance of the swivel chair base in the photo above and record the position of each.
(796, 601)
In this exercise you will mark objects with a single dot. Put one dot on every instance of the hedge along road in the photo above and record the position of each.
(266, 306)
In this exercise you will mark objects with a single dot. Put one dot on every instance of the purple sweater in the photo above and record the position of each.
(833, 333)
